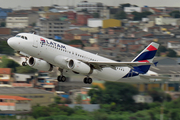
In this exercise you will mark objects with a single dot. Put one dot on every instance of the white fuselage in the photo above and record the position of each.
(50, 49)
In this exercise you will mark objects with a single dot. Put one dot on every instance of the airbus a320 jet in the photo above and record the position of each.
(44, 54)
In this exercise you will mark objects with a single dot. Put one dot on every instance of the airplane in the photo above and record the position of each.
(44, 54)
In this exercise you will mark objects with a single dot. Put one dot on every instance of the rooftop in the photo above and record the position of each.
(13, 97)
(21, 85)
(5, 71)
(16, 90)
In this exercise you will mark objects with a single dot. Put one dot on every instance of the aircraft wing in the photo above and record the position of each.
(102, 64)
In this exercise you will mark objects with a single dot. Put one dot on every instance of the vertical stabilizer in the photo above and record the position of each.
(147, 55)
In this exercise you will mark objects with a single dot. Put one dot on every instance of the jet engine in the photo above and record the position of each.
(79, 67)
(39, 64)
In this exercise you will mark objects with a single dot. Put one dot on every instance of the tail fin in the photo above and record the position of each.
(147, 55)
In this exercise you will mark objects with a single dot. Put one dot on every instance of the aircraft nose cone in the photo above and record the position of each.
(10, 42)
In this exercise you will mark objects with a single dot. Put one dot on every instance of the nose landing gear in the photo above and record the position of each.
(25, 62)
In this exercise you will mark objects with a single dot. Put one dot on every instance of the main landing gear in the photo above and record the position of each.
(61, 78)
(88, 80)
(25, 62)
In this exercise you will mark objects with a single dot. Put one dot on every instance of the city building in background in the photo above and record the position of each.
(37, 96)
(91, 7)
(53, 28)
(5, 75)
(14, 103)
(21, 19)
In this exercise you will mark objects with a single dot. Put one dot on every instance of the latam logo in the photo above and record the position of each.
(42, 40)
(51, 43)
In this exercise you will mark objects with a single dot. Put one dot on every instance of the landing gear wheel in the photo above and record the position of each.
(87, 80)
(24, 63)
(61, 78)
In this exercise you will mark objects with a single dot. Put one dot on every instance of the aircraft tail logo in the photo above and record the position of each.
(147, 55)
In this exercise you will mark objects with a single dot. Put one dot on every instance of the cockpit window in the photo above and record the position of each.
(23, 37)
(18, 36)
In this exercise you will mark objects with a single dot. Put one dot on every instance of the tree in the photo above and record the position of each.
(76, 42)
(78, 99)
(159, 95)
(57, 100)
(33, 24)
(5, 49)
(120, 15)
(122, 6)
(171, 53)
(25, 69)
(139, 16)
(146, 13)
(96, 15)
(3, 24)
(85, 11)
(96, 95)
(51, 110)
(8, 63)
(175, 14)
(160, 50)
(40, 111)
(118, 93)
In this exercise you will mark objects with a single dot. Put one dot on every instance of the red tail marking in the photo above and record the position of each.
(151, 48)
(143, 61)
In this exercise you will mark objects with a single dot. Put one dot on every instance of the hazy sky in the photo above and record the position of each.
(29, 3)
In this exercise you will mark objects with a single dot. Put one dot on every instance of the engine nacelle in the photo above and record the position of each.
(79, 67)
(39, 64)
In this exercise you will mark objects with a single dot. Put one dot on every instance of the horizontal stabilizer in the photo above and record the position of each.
(154, 77)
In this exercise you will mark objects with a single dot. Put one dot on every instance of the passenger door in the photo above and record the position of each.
(35, 41)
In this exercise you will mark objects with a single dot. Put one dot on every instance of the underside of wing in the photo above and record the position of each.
(102, 64)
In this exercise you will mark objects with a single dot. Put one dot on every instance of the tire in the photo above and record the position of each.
(63, 78)
(89, 80)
